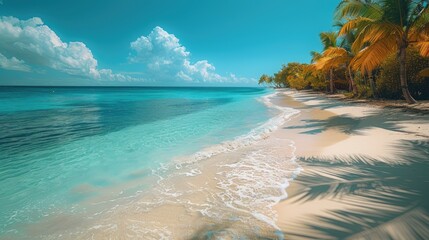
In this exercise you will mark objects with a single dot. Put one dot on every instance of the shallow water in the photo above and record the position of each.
(71, 155)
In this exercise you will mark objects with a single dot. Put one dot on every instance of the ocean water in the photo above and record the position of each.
(61, 147)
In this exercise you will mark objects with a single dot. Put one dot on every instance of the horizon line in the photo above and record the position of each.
(70, 86)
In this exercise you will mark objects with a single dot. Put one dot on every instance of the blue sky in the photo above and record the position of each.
(159, 42)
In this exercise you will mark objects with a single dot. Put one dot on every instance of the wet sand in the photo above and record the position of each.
(351, 171)
(227, 191)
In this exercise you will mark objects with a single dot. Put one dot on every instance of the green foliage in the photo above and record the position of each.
(341, 79)
(318, 82)
(370, 30)
(280, 78)
(292, 75)
(362, 85)
(296, 75)
(328, 39)
(315, 56)
(388, 83)
(298, 82)
(364, 90)
(265, 79)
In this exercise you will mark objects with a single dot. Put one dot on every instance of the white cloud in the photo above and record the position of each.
(164, 57)
(13, 64)
(158, 49)
(35, 44)
(30, 45)
(107, 74)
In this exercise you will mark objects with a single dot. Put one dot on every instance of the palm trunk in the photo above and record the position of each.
(403, 75)
(352, 81)
(372, 86)
(349, 81)
(331, 81)
(326, 81)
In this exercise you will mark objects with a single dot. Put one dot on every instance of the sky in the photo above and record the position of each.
(156, 42)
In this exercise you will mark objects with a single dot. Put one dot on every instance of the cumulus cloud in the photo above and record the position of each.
(164, 56)
(32, 43)
(13, 64)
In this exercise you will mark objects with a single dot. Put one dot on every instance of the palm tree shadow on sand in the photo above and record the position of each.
(354, 125)
(377, 200)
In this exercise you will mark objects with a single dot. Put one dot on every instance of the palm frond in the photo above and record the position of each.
(352, 24)
(424, 72)
(420, 20)
(372, 56)
(375, 32)
(357, 8)
(333, 57)
(396, 12)
(380, 30)
(315, 56)
(423, 48)
(339, 62)
(347, 41)
(329, 39)
(335, 51)
(322, 63)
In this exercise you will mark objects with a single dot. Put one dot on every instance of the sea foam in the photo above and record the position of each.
(253, 184)
(255, 135)
(239, 190)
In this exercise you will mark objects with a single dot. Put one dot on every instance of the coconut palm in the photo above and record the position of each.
(335, 57)
(340, 56)
(329, 40)
(265, 79)
(384, 27)
(315, 56)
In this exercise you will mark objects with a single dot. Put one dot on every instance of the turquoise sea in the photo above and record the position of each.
(60, 146)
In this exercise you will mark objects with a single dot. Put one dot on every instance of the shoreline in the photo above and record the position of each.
(228, 189)
(302, 178)
(363, 171)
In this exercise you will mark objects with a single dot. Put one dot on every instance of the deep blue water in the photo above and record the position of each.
(55, 142)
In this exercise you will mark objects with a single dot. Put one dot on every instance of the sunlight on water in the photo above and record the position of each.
(61, 146)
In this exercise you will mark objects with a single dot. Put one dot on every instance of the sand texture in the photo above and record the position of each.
(365, 171)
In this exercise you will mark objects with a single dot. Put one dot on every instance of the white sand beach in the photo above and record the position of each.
(349, 170)
(364, 171)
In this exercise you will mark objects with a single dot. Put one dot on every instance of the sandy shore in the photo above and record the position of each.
(365, 171)
(363, 174)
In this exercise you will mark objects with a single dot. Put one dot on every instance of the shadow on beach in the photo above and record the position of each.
(355, 195)
(388, 120)
(383, 201)
(360, 196)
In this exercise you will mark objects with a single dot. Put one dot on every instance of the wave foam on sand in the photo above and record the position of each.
(257, 134)
(227, 191)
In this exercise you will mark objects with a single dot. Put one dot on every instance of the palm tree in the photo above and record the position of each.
(265, 79)
(335, 57)
(348, 54)
(329, 40)
(341, 56)
(315, 56)
(338, 55)
(384, 27)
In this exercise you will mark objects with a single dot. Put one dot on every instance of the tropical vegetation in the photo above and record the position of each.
(380, 49)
